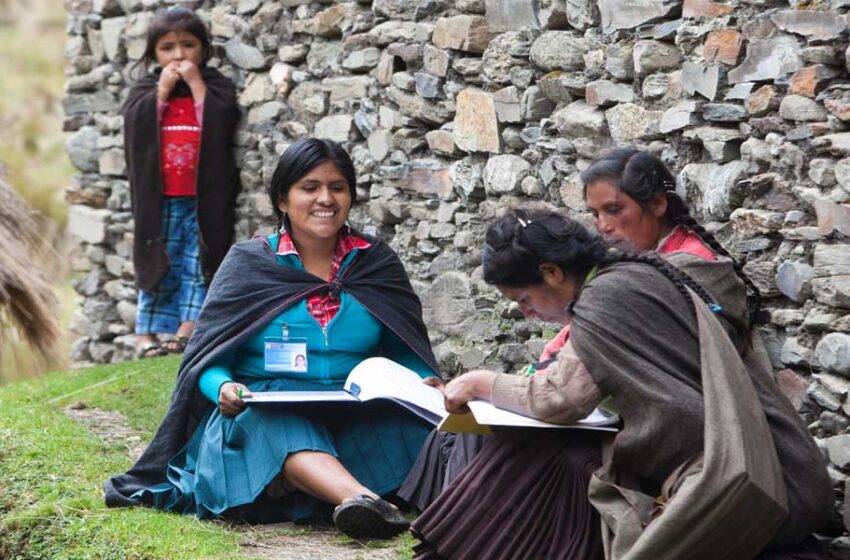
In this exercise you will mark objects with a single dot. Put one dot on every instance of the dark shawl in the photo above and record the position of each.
(639, 340)
(249, 290)
(217, 179)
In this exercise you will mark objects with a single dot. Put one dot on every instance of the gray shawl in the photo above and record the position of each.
(639, 339)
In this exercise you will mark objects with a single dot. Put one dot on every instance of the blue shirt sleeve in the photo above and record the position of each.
(212, 378)
(393, 348)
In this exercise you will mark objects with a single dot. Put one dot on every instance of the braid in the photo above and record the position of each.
(682, 216)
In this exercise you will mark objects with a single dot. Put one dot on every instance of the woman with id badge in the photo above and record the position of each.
(294, 311)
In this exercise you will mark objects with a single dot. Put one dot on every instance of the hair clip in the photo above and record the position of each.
(715, 308)
(522, 222)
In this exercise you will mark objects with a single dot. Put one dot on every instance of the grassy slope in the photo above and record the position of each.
(52, 470)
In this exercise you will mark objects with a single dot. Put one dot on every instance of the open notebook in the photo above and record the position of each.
(380, 378)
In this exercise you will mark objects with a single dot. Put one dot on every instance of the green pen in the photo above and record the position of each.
(239, 392)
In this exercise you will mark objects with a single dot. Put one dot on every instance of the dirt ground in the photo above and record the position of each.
(281, 541)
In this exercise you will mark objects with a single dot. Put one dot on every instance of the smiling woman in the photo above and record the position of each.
(294, 311)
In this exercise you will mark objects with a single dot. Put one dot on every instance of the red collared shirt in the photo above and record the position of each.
(323, 307)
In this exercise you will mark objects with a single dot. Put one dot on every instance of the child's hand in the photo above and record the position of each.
(189, 72)
(167, 80)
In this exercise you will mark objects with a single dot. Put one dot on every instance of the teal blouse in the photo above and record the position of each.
(352, 336)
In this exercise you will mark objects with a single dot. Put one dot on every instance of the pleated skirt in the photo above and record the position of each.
(523, 496)
(229, 461)
(441, 460)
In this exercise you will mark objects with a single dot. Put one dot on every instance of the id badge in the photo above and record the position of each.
(286, 354)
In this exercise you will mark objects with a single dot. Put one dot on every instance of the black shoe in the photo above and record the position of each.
(364, 517)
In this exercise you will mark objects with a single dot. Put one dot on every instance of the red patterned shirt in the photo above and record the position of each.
(180, 141)
(324, 306)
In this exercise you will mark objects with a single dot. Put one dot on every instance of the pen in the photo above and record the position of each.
(239, 392)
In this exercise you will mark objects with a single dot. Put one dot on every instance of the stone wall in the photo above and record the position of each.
(455, 109)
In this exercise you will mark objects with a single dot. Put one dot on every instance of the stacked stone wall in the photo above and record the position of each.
(455, 109)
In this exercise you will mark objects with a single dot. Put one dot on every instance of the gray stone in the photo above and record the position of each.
(244, 56)
(352, 88)
(265, 113)
(88, 224)
(839, 450)
(435, 61)
(720, 143)
(792, 280)
(715, 186)
(476, 123)
(379, 143)
(259, 89)
(580, 121)
(335, 127)
(619, 61)
(447, 304)
(503, 174)
(100, 101)
(294, 53)
(679, 116)
(801, 109)
(701, 78)
(425, 178)
(768, 59)
(535, 105)
(617, 14)
(821, 171)
(112, 30)
(507, 103)
(655, 86)
(112, 162)
(362, 60)
(466, 177)
(402, 32)
(559, 50)
(427, 86)
(814, 25)
(795, 354)
(628, 122)
(724, 112)
(833, 291)
(739, 92)
(603, 93)
(655, 56)
(396, 9)
(818, 320)
(82, 149)
(464, 33)
(502, 54)
(441, 142)
(512, 15)
(832, 217)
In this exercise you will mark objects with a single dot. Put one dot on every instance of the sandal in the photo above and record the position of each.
(151, 349)
(176, 345)
(364, 517)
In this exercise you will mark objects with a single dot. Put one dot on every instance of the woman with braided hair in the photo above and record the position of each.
(637, 339)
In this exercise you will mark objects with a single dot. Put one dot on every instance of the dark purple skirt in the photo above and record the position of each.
(524, 495)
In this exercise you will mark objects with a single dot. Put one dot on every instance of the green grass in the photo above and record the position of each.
(52, 470)
(51, 501)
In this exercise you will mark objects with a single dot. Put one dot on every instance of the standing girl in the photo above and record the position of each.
(179, 125)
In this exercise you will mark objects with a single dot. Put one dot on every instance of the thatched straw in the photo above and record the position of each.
(27, 304)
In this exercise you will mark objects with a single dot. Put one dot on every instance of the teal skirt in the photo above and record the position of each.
(229, 461)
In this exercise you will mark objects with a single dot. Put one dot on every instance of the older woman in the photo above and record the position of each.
(318, 286)
(635, 340)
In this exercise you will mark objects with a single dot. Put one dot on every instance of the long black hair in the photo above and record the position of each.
(168, 20)
(643, 177)
(299, 159)
(520, 241)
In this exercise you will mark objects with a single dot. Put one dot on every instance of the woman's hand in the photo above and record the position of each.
(168, 78)
(434, 382)
(230, 396)
(475, 384)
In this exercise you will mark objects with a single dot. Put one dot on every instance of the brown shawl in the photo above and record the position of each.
(217, 180)
(639, 339)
